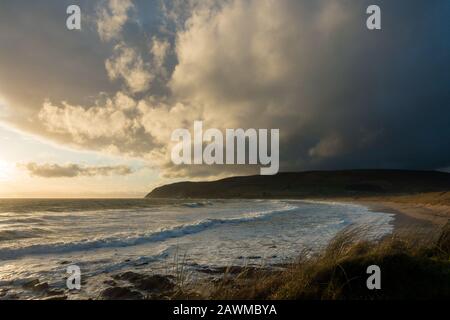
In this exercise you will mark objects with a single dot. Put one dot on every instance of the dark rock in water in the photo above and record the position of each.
(36, 285)
(129, 276)
(155, 283)
(55, 292)
(30, 284)
(146, 282)
(121, 293)
(110, 283)
(3, 292)
(41, 287)
(13, 296)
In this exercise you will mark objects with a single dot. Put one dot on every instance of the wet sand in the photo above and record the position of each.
(423, 212)
(406, 218)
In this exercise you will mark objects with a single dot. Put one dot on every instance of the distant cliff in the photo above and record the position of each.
(311, 184)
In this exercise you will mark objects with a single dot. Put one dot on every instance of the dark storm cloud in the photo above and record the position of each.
(341, 95)
(40, 57)
(387, 98)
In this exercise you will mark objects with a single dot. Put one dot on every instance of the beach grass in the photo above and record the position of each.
(413, 266)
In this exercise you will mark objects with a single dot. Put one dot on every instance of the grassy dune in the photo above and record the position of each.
(412, 267)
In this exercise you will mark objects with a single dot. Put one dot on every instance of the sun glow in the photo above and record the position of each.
(6, 171)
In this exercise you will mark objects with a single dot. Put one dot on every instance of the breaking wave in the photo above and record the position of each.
(122, 241)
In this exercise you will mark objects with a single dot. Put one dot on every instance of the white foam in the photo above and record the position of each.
(121, 241)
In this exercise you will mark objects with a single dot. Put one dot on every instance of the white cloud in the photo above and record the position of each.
(239, 64)
(160, 49)
(127, 64)
(51, 170)
(99, 121)
(112, 18)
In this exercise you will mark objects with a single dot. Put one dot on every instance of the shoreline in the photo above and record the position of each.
(420, 214)
(409, 216)
(403, 220)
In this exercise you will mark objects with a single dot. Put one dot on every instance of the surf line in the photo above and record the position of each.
(235, 147)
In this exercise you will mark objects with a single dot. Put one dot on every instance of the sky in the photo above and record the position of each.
(90, 112)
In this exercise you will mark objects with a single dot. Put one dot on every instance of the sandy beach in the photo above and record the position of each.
(433, 214)
(426, 212)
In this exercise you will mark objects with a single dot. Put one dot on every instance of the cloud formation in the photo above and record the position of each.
(127, 64)
(341, 95)
(112, 16)
(48, 170)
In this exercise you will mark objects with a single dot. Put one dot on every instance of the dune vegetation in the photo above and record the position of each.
(412, 267)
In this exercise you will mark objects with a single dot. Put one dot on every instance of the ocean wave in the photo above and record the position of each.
(197, 204)
(8, 235)
(120, 241)
(21, 220)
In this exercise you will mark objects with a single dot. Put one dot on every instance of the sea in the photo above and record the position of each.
(40, 239)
